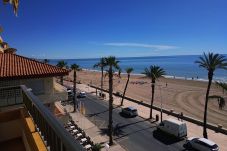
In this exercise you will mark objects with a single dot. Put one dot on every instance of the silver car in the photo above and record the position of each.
(82, 95)
(201, 144)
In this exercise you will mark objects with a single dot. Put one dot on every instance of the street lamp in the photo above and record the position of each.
(161, 100)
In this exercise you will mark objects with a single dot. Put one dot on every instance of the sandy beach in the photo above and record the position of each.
(187, 96)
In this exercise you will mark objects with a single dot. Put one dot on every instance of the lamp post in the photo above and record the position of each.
(161, 100)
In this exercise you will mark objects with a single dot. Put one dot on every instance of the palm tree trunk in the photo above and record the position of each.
(61, 80)
(110, 126)
(152, 97)
(123, 96)
(102, 81)
(210, 77)
(74, 91)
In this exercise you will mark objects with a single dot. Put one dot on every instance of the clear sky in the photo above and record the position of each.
(95, 28)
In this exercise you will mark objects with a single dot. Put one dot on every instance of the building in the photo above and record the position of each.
(27, 87)
(17, 70)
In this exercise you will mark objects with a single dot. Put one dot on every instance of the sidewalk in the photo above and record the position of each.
(91, 130)
(144, 112)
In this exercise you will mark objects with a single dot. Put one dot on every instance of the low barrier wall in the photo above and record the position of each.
(216, 128)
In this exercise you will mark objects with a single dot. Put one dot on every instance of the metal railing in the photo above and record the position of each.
(57, 138)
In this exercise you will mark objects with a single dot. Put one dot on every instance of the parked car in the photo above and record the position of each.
(173, 127)
(130, 111)
(70, 94)
(201, 144)
(82, 95)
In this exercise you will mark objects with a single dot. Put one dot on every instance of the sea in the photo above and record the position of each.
(179, 67)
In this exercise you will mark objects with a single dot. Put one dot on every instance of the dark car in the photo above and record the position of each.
(130, 111)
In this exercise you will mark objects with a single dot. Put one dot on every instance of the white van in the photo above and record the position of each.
(173, 127)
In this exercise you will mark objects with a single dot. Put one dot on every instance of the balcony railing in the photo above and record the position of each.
(57, 138)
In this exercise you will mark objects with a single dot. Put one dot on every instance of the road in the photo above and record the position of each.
(134, 134)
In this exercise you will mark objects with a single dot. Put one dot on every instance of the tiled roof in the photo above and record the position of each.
(13, 66)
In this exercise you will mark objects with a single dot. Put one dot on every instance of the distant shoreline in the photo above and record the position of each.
(165, 76)
(178, 67)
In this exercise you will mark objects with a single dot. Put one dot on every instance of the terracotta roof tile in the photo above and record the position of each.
(13, 66)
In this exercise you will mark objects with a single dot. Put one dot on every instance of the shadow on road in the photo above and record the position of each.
(95, 114)
(118, 129)
(137, 131)
(133, 123)
(165, 138)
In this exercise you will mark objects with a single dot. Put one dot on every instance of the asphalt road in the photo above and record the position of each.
(133, 134)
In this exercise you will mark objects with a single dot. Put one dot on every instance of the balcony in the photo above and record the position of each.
(32, 126)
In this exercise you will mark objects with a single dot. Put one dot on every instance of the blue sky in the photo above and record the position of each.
(95, 28)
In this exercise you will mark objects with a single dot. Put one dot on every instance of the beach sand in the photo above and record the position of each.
(187, 96)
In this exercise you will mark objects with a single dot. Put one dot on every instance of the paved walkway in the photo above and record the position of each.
(193, 129)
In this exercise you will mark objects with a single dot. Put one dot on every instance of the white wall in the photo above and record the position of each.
(45, 88)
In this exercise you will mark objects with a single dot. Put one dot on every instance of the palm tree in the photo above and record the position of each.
(111, 63)
(154, 72)
(15, 4)
(75, 68)
(210, 62)
(128, 71)
(62, 64)
(6, 48)
(101, 64)
(46, 61)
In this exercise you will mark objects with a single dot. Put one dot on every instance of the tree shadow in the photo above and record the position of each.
(118, 129)
(165, 138)
(127, 134)
(133, 123)
(104, 131)
(95, 114)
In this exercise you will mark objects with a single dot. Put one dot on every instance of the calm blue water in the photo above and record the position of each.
(178, 66)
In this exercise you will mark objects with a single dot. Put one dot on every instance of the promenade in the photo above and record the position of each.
(193, 129)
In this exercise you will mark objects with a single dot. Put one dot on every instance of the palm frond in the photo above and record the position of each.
(100, 64)
(75, 67)
(61, 64)
(112, 62)
(211, 61)
(222, 85)
(129, 70)
(154, 72)
(14, 3)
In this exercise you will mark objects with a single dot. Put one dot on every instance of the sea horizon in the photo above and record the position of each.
(176, 66)
(119, 57)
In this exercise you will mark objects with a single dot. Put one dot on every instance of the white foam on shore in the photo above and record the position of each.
(170, 76)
